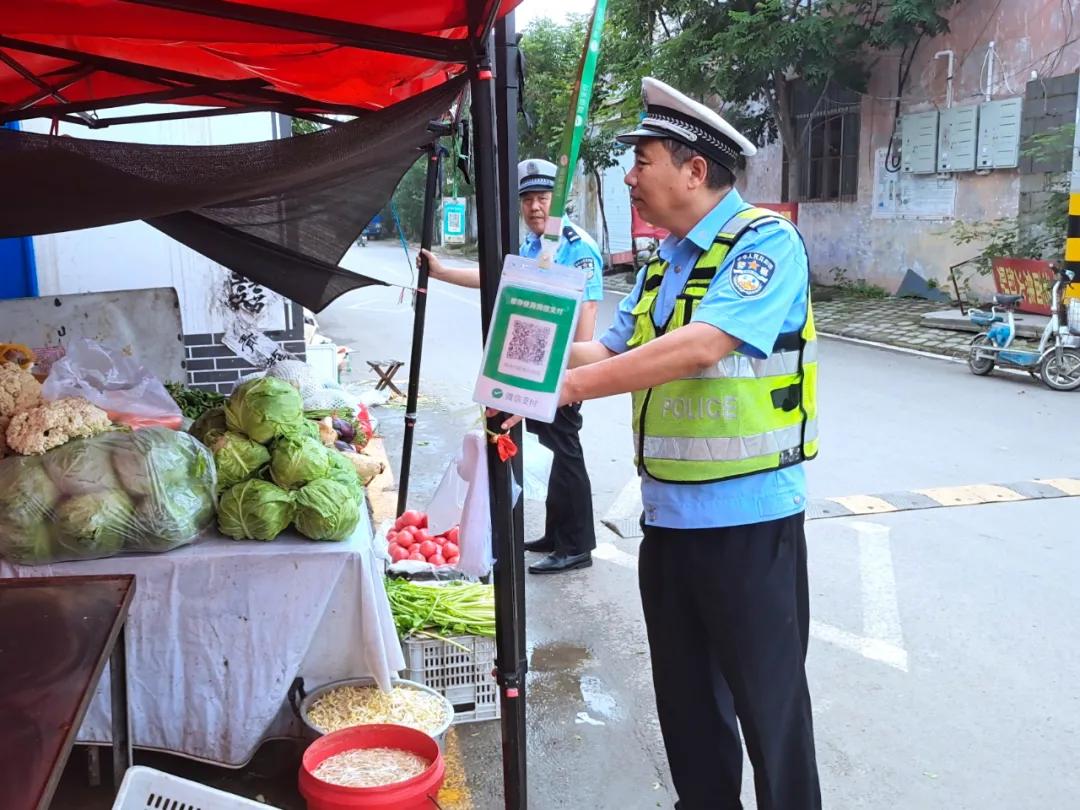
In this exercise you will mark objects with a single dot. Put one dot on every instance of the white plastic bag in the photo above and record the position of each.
(118, 385)
(536, 468)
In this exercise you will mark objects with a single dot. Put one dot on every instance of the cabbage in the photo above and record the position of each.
(27, 545)
(96, 524)
(264, 409)
(305, 428)
(81, 467)
(343, 472)
(209, 426)
(296, 462)
(154, 459)
(27, 494)
(255, 510)
(326, 510)
(237, 459)
(177, 517)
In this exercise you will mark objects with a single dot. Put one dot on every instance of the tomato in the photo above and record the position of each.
(390, 535)
(411, 518)
(439, 540)
(423, 520)
(405, 538)
(452, 560)
(450, 550)
(416, 556)
(397, 553)
(436, 559)
(428, 548)
(453, 534)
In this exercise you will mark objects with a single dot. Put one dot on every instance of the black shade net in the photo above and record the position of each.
(281, 213)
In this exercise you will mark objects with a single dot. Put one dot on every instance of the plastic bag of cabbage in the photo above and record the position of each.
(147, 491)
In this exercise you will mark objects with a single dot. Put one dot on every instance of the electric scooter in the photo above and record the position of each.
(1056, 361)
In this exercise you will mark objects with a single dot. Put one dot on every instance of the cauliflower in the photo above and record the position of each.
(19, 391)
(4, 421)
(52, 424)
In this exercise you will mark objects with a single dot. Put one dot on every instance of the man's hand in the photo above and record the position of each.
(509, 423)
(435, 267)
(462, 277)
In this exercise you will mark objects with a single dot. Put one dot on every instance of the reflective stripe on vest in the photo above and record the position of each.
(743, 416)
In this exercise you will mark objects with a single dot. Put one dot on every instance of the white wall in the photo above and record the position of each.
(134, 255)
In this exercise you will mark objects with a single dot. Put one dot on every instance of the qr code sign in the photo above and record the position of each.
(528, 347)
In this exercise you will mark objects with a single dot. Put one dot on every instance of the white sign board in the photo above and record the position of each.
(899, 195)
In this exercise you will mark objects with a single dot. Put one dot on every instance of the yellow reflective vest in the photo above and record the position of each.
(740, 417)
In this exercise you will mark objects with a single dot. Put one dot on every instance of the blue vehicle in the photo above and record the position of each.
(1056, 361)
(373, 230)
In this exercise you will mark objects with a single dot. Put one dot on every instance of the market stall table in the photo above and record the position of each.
(220, 629)
(56, 635)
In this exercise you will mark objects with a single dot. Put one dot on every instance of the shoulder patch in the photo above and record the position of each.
(570, 235)
(586, 264)
(750, 273)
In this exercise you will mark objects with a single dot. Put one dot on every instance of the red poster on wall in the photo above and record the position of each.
(1031, 278)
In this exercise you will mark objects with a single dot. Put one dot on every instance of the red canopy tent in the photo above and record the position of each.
(68, 60)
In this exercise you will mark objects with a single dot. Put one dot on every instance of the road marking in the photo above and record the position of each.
(625, 512)
(1070, 486)
(882, 639)
(624, 515)
(611, 553)
(864, 504)
(971, 495)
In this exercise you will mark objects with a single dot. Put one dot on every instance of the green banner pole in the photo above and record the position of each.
(576, 122)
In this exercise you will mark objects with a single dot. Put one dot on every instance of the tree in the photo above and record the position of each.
(552, 51)
(751, 53)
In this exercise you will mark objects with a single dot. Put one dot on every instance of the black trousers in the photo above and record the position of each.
(569, 518)
(727, 613)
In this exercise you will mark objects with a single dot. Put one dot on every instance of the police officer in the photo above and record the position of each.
(716, 343)
(569, 536)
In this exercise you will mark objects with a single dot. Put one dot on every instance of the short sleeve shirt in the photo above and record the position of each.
(759, 292)
(576, 249)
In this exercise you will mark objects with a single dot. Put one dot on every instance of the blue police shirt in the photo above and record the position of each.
(765, 296)
(576, 249)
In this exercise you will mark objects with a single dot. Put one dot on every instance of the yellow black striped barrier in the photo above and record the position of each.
(1072, 241)
(940, 497)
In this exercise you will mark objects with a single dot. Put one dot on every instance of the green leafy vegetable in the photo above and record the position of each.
(264, 409)
(449, 610)
(192, 402)
(209, 426)
(255, 510)
(162, 523)
(152, 460)
(27, 494)
(296, 462)
(326, 510)
(95, 524)
(343, 472)
(237, 459)
(28, 544)
(81, 467)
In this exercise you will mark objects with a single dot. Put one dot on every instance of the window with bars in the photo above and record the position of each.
(828, 127)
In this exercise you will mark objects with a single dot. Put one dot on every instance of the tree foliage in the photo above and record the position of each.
(750, 53)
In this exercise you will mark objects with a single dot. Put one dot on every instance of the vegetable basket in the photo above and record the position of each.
(145, 788)
(463, 676)
(306, 701)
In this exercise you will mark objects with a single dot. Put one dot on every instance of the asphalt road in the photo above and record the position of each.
(943, 666)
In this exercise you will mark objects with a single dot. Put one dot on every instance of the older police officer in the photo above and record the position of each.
(716, 342)
(569, 536)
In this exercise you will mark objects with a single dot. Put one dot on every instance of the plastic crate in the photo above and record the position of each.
(147, 789)
(464, 677)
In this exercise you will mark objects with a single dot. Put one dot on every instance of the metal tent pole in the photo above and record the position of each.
(509, 595)
(507, 92)
(435, 154)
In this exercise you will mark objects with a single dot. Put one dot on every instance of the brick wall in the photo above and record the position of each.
(1048, 105)
(213, 366)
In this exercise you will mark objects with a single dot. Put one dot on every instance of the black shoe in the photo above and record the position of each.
(557, 563)
(541, 544)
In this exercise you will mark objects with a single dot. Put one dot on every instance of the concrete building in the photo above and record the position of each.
(954, 158)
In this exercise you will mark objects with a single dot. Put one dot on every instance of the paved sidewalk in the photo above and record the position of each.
(894, 322)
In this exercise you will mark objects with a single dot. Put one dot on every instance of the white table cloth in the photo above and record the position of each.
(219, 630)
